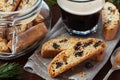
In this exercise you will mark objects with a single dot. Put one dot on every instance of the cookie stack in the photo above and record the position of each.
(27, 33)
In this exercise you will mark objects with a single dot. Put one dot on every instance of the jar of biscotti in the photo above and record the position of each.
(23, 24)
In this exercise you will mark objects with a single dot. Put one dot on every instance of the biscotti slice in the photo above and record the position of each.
(110, 17)
(26, 3)
(27, 38)
(54, 46)
(19, 30)
(8, 5)
(80, 52)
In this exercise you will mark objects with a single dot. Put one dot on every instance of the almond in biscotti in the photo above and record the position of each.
(75, 55)
(110, 17)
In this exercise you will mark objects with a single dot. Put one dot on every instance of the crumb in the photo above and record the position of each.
(82, 74)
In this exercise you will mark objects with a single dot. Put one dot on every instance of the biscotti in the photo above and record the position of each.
(69, 58)
(9, 5)
(28, 37)
(26, 3)
(20, 29)
(110, 17)
(54, 46)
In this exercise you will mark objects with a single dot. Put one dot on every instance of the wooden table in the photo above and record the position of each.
(28, 76)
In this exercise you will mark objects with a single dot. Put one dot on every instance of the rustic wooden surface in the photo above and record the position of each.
(28, 76)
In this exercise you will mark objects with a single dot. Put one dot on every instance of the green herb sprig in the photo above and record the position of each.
(116, 2)
(10, 71)
(50, 2)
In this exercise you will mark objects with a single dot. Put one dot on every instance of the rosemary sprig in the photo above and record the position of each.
(10, 71)
(50, 2)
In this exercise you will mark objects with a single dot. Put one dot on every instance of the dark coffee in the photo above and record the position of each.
(80, 17)
(80, 22)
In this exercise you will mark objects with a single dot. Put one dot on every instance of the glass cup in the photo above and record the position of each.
(80, 16)
(12, 21)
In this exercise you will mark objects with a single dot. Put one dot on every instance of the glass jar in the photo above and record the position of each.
(21, 31)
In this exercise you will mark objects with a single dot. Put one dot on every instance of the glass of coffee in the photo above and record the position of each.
(80, 16)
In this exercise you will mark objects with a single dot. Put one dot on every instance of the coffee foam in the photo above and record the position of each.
(78, 8)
